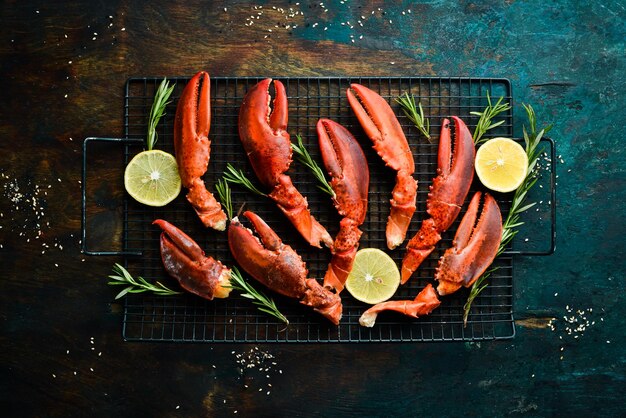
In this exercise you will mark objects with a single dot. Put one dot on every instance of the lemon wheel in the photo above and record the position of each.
(374, 277)
(152, 178)
(501, 164)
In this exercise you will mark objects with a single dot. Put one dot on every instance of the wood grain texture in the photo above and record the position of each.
(63, 68)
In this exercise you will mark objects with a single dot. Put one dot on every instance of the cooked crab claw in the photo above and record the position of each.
(185, 261)
(474, 247)
(263, 133)
(423, 304)
(382, 127)
(345, 162)
(455, 172)
(276, 265)
(193, 147)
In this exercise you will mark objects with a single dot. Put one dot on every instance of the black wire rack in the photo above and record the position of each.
(187, 318)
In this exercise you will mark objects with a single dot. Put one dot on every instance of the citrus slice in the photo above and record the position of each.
(152, 178)
(374, 277)
(501, 164)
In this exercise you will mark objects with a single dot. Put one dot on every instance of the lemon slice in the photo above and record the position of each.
(374, 277)
(501, 164)
(152, 178)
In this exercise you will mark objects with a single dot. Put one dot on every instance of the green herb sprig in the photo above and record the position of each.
(122, 277)
(305, 158)
(223, 191)
(157, 110)
(263, 302)
(512, 221)
(234, 176)
(486, 116)
(415, 113)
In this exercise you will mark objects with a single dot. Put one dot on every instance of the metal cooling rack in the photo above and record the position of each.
(187, 318)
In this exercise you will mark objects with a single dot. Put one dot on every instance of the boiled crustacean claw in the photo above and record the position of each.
(345, 162)
(474, 247)
(193, 147)
(184, 260)
(277, 266)
(264, 136)
(423, 304)
(455, 173)
(382, 127)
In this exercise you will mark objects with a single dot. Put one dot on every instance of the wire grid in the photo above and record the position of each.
(187, 318)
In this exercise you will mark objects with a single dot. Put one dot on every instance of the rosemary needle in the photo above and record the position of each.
(415, 113)
(223, 191)
(305, 158)
(486, 116)
(512, 221)
(121, 276)
(157, 110)
(263, 302)
(232, 175)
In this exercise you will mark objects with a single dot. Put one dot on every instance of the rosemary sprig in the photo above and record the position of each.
(157, 111)
(415, 113)
(512, 221)
(232, 175)
(305, 158)
(486, 116)
(223, 191)
(121, 276)
(264, 303)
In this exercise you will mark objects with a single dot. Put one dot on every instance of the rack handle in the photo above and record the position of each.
(84, 247)
(552, 247)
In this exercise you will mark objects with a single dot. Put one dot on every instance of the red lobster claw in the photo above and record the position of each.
(474, 248)
(423, 304)
(193, 147)
(266, 141)
(446, 196)
(279, 267)
(184, 260)
(382, 127)
(345, 162)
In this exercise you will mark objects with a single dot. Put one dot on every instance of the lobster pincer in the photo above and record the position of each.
(455, 172)
(474, 247)
(382, 127)
(345, 162)
(184, 260)
(193, 148)
(277, 266)
(263, 133)
(424, 303)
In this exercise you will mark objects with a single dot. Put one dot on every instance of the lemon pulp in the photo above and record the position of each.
(374, 277)
(501, 164)
(152, 178)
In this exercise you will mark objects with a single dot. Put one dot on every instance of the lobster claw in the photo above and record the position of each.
(474, 247)
(455, 173)
(382, 127)
(276, 265)
(423, 304)
(193, 147)
(184, 260)
(263, 133)
(345, 162)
